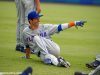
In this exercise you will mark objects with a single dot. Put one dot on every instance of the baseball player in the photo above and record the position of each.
(96, 71)
(23, 8)
(95, 63)
(37, 37)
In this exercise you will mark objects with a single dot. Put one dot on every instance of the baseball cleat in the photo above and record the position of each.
(63, 63)
(27, 71)
(80, 73)
(93, 64)
(20, 48)
(17, 47)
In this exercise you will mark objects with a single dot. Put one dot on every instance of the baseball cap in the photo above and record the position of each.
(33, 15)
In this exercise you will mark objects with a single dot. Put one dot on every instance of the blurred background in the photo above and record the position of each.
(90, 2)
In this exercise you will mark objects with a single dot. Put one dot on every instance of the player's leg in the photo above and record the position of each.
(21, 13)
(46, 57)
(51, 59)
(96, 71)
(47, 45)
(29, 6)
(17, 2)
(18, 37)
(22, 24)
(52, 47)
(25, 7)
(95, 63)
(22, 27)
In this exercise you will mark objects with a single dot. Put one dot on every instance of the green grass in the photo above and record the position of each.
(77, 46)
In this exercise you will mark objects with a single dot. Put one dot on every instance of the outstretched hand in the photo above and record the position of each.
(80, 23)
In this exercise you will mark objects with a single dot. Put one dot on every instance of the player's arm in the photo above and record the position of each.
(70, 24)
(26, 46)
(76, 23)
(38, 7)
(57, 28)
(28, 51)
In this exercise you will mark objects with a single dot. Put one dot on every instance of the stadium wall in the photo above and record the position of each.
(88, 2)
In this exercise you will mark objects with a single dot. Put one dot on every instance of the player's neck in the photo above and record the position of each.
(33, 28)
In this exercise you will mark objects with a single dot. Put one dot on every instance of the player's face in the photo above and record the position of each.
(34, 23)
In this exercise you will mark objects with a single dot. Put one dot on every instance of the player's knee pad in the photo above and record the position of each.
(51, 59)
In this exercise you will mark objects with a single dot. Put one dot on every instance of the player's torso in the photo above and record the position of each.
(41, 31)
(29, 36)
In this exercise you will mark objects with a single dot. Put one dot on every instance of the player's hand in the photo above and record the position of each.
(80, 23)
(38, 9)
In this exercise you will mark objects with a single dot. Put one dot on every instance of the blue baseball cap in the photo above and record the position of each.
(33, 15)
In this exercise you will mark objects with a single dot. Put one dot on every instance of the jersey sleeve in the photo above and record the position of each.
(50, 28)
(55, 28)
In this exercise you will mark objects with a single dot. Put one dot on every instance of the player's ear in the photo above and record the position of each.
(29, 21)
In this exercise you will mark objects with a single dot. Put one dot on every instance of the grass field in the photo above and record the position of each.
(77, 46)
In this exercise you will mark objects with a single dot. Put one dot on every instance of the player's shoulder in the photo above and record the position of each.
(26, 29)
(46, 25)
